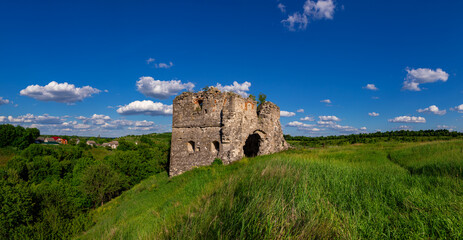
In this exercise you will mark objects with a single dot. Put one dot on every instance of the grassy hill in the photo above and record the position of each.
(366, 191)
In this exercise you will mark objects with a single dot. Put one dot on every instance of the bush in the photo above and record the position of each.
(126, 146)
(217, 162)
(100, 183)
(17, 208)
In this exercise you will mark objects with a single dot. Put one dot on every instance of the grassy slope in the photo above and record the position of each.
(352, 192)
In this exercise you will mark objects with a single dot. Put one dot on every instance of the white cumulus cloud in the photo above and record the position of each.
(296, 21)
(329, 118)
(282, 7)
(307, 118)
(373, 114)
(404, 127)
(371, 87)
(298, 124)
(415, 77)
(287, 114)
(432, 109)
(31, 118)
(150, 60)
(325, 122)
(408, 119)
(4, 101)
(98, 119)
(82, 126)
(143, 123)
(458, 108)
(59, 92)
(321, 9)
(145, 107)
(327, 101)
(343, 129)
(93, 125)
(164, 65)
(132, 125)
(303, 126)
(237, 88)
(161, 89)
(300, 110)
(312, 10)
(142, 128)
(450, 128)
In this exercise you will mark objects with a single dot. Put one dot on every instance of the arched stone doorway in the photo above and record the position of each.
(252, 145)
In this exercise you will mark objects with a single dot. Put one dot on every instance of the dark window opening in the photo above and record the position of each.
(215, 147)
(251, 147)
(191, 146)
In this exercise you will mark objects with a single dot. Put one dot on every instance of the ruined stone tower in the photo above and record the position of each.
(211, 124)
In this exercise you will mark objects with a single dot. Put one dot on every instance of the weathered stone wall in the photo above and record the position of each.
(212, 124)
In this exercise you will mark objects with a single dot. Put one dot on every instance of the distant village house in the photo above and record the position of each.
(112, 144)
(39, 140)
(51, 140)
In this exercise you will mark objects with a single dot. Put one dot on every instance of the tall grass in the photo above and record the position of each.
(350, 192)
(433, 159)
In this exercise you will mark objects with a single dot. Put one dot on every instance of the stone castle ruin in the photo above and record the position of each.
(213, 124)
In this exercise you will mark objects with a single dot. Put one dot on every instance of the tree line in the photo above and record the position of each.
(399, 136)
(18, 136)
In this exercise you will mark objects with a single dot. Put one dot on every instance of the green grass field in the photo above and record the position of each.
(368, 191)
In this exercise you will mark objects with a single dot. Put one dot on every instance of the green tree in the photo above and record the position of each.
(145, 139)
(126, 145)
(83, 145)
(34, 132)
(43, 167)
(262, 98)
(18, 164)
(252, 97)
(17, 136)
(7, 134)
(100, 183)
(17, 207)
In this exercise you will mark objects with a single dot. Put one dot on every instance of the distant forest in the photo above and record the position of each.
(397, 136)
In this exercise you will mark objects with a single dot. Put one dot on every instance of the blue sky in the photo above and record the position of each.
(113, 67)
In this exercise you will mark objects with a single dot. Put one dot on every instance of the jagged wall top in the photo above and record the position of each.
(204, 108)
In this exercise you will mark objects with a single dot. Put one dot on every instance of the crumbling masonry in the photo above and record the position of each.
(211, 124)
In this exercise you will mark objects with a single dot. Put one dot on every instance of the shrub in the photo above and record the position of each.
(100, 183)
(217, 162)
(17, 208)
